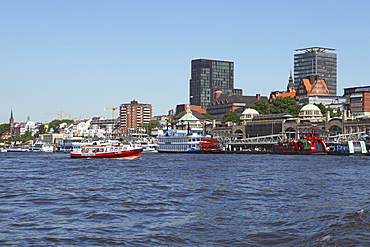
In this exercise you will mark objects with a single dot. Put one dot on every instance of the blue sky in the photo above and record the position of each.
(79, 56)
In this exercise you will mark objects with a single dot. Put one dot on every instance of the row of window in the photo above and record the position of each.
(178, 140)
(177, 147)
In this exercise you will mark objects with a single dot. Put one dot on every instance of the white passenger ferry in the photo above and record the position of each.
(182, 141)
(106, 149)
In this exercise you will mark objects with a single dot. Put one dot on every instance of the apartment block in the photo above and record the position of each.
(134, 115)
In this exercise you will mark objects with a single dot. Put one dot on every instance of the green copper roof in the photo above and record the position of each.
(310, 107)
(250, 111)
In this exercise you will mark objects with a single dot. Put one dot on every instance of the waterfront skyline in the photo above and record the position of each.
(81, 56)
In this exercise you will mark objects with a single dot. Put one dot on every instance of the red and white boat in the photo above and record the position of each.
(107, 150)
(210, 145)
(310, 143)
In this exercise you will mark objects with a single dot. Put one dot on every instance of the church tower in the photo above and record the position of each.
(11, 119)
(290, 87)
(11, 122)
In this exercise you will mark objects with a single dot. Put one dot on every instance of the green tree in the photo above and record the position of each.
(284, 105)
(4, 128)
(335, 112)
(43, 129)
(208, 116)
(151, 125)
(27, 135)
(55, 124)
(322, 108)
(230, 117)
(262, 106)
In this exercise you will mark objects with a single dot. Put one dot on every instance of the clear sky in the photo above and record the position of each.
(79, 56)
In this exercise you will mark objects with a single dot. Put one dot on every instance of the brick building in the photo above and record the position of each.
(359, 100)
(134, 114)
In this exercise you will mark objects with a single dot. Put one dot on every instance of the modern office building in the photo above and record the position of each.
(317, 61)
(207, 76)
(133, 115)
(359, 100)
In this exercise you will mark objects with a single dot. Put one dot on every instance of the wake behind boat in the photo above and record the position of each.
(112, 149)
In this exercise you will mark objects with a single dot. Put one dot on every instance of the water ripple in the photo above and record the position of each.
(184, 200)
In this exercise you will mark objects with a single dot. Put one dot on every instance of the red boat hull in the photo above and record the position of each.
(131, 154)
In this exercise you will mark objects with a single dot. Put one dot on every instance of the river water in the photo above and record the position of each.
(184, 200)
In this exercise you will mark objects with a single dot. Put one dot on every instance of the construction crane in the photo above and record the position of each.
(60, 114)
(113, 109)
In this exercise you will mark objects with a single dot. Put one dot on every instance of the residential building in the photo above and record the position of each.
(103, 123)
(316, 61)
(6, 135)
(359, 100)
(207, 76)
(163, 120)
(134, 114)
(82, 128)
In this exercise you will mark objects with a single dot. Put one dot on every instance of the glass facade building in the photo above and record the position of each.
(316, 61)
(207, 76)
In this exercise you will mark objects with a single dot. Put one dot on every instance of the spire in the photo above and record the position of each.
(11, 119)
(188, 109)
(290, 87)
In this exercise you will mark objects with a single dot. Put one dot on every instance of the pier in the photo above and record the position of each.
(265, 144)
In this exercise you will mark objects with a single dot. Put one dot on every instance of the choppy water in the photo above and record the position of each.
(184, 200)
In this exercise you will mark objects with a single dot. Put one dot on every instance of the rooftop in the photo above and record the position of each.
(310, 107)
(315, 49)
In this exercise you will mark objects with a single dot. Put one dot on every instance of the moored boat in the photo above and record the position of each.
(69, 142)
(18, 149)
(183, 141)
(210, 145)
(42, 147)
(107, 150)
(310, 143)
(348, 148)
(150, 148)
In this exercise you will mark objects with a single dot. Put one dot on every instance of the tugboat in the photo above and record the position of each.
(310, 143)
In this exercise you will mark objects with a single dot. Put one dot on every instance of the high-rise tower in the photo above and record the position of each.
(207, 76)
(134, 115)
(317, 61)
